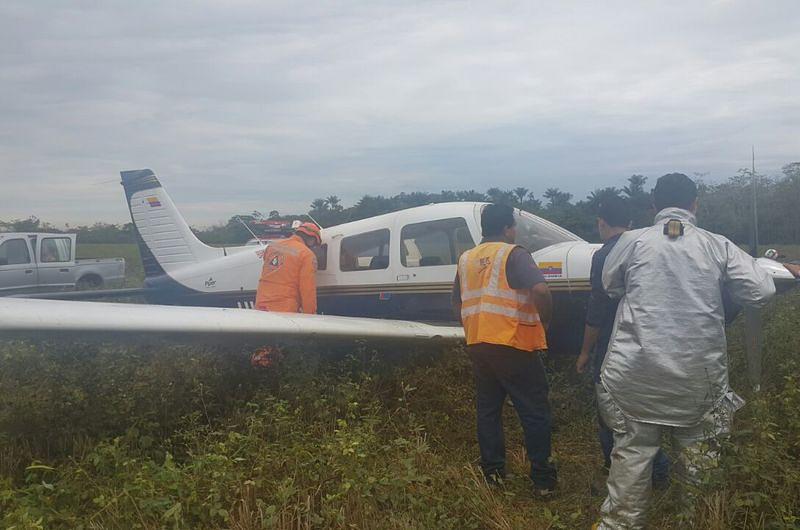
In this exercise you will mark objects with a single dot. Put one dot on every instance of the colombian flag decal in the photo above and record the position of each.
(551, 269)
(153, 202)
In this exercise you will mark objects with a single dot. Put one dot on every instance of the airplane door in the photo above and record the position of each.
(17, 269)
(428, 251)
(55, 262)
(364, 275)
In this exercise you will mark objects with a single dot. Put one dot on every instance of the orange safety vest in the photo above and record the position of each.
(288, 283)
(491, 311)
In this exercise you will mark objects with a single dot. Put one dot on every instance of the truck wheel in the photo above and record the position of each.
(91, 281)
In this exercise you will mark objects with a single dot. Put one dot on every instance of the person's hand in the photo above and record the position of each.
(582, 363)
(793, 268)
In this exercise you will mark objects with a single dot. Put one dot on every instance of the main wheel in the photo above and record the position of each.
(90, 281)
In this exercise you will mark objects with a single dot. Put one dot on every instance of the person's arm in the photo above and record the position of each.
(616, 266)
(596, 310)
(793, 268)
(308, 283)
(523, 274)
(455, 298)
(590, 336)
(543, 302)
(746, 282)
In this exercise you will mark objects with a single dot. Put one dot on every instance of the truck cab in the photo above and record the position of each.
(31, 262)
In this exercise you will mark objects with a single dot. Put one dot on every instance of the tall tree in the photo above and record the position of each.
(334, 203)
(557, 198)
(319, 205)
(521, 193)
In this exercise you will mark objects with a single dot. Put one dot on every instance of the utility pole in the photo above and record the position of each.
(753, 326)
(754, 248)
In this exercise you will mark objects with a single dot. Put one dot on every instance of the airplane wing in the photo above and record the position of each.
(40, 319)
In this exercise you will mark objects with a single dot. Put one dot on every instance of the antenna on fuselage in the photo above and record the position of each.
(251, 232)
(313, 220)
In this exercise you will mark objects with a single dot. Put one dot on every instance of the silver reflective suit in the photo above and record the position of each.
(667, 365)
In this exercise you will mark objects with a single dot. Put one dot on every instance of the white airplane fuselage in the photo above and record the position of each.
(399, 265)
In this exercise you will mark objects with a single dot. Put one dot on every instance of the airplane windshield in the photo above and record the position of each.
(535, 233)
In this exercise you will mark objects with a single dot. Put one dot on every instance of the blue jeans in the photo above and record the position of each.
(502, 371)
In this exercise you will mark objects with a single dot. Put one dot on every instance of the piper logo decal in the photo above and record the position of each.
(551, 269)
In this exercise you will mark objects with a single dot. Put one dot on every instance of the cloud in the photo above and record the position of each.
(269, 105)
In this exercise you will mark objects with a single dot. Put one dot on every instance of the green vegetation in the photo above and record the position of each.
(184, 437)
(725, 208)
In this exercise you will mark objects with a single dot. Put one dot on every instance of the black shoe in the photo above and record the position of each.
(544, 492)
(495, 479)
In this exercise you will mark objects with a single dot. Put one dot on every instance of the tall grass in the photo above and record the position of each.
(104, 437)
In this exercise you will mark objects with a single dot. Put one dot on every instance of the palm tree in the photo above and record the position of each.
(319, 205)
(556, 197)
(334, 202)
(521, 193)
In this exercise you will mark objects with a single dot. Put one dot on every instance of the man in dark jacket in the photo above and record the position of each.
(613, 219)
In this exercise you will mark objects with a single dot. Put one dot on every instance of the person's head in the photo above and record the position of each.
(497, 220)
(310, 234)
(613, 217)
(675, 190)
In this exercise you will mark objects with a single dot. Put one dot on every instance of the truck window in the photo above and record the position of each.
(367, 251)
(14, 252)
(56, 250)
(434, 243)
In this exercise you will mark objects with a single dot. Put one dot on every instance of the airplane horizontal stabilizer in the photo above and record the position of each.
(40, 319)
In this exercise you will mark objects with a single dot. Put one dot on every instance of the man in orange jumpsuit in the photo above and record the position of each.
(288, 283)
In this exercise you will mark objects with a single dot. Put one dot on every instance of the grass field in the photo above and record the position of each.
(190, 437)
(117, 437)
(134, 275)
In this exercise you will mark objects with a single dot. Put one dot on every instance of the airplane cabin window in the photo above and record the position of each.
(14, 252)
(368, 251)
(535, 233)
(322, 256)
(56, 250)
(433, 243)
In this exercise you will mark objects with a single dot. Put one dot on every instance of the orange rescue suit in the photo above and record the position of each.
(491, 311)
(288, 283)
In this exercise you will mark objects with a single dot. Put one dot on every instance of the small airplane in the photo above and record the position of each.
(399, 265)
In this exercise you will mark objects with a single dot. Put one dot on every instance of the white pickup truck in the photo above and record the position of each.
(38, 262)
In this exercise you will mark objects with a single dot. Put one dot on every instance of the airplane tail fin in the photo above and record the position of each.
(166, 242)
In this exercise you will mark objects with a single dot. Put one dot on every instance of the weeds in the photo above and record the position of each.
(100, 437)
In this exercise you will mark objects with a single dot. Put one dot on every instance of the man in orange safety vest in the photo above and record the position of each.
(505, 307)
(288, 283)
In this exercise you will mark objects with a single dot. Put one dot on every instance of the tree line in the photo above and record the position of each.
(725, 208)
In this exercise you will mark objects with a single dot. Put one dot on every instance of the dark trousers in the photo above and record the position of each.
(502, 371)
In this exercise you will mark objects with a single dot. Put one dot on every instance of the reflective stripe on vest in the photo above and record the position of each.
(491, 311)
(487, 307)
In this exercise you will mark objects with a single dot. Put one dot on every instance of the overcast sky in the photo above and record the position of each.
(242, 105)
